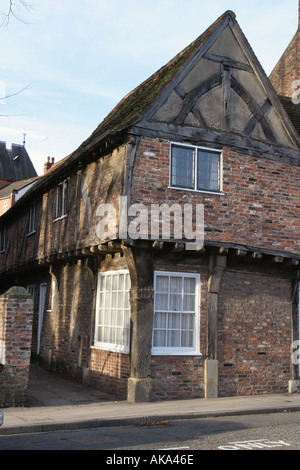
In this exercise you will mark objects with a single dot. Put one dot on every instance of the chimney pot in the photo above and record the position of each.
(48, 164)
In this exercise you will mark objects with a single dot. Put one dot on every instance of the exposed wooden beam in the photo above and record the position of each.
(158, 245)
(179, 247)
(228, 62)
(240, 253)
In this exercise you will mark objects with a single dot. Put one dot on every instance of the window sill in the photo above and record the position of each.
(60, 218)
(201, 191)
(116, 349)
(175, 353)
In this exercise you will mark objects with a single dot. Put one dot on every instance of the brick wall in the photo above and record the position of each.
(177, 377)
(109, 371)
(16, 308)
(66, 332)
(287, 69)
(254, 334)
(258, 206)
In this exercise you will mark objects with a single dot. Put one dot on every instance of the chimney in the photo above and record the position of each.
(48, 164)
(286, 74)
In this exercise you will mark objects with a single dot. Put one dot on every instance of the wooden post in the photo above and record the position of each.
(294, 382)
(217, 264)
(139, 261)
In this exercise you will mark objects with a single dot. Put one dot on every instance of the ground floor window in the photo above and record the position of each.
(112, 325)
(176, 313)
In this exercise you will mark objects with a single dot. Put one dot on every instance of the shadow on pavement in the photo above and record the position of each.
(48, 389)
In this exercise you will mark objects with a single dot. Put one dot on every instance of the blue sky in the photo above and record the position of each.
(80, 57)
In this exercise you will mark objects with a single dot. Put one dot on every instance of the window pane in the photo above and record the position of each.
(174, 321)
(162, 301)
(162, 284)
(187, 339)
(175, 285)
(188, 303)
(160, 320)
(182, 167)
(189, 285)
(173, 339)
(59, 198)
(208, 170)
(176, 302)
(114, 282)
(187, 322)
(121, 282)
(65, 197)
(127, 300)
(159, 339)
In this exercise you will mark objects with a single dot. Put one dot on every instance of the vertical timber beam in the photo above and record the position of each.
(217, 264)
(294, 382)
(139, 261)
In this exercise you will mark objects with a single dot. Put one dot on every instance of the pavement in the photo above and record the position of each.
(56, 404)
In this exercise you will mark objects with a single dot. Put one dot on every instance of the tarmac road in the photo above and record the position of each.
(279, 431)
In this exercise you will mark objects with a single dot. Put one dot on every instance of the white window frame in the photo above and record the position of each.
(115, 347)
(61, 209)
(196, 148)
(180, 351)
(32, 218)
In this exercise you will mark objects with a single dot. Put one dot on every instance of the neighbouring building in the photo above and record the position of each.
(15, 164)
(121, 304)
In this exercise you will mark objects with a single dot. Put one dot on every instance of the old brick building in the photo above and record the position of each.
(141, 313)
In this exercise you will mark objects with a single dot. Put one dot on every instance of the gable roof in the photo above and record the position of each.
(15, 163)
(134, 105)
(131, 109)
(16, 186)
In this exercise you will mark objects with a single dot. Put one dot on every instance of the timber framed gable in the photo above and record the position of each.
(222, 97)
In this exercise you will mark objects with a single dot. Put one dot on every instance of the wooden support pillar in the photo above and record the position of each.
(217, 264)
(294, 382)
(139, 261)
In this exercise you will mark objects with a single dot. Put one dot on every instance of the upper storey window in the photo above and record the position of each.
(196, 168)
(62, 199)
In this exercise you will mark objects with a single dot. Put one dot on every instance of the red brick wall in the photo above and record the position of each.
(254, 334)
(258, 207)
(109, 371)
(16, 309)
(287, 69)
(66, 332)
